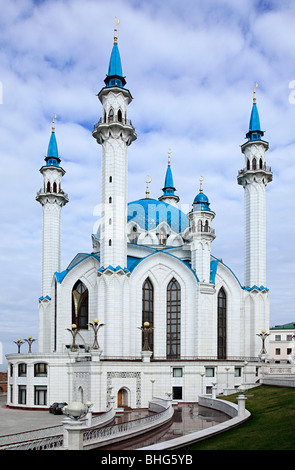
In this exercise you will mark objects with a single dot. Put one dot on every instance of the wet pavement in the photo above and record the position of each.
(187, 418)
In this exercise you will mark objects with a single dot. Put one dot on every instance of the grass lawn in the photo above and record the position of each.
(270, 427)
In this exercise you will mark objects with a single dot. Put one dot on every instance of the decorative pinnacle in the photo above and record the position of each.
(169, 157)
(201, 184)
(115, 35)
(254, 93)
(53, 128)
(147, 192)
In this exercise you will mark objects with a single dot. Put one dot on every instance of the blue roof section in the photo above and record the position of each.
(255, 132)
(52, 157)
(201, 203)
(149, 213)
(169, 185)
(254, 119)
(115, 74)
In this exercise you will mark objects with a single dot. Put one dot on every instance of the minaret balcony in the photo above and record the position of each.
(114, 128)
(115, 120)
(264, 173)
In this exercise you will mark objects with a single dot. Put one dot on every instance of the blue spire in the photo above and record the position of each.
(255, 132)
(169, 189)
(115, 74)
(169, 186)
(52, 157)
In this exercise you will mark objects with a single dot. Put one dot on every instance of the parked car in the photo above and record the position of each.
(56, 408)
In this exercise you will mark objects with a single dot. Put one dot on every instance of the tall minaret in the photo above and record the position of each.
(169, 195)
(52, 198)
(254, 178)
(201, 217)
(115, 133)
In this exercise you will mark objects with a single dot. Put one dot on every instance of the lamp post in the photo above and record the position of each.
(18, 342)
(95, 326)
(74, 331)
(30, 341)
(146, 329)
(263, 335)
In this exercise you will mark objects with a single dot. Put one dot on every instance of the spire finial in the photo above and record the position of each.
(147, 192)
(53, 128)
(201, 184)
(115, 34)
(254, 93)
(169, 156)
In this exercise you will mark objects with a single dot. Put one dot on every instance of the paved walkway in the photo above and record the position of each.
(14, 421)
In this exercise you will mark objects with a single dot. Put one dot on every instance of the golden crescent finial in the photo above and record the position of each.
(254, 93)
(53, 118)
(115, 35)
(147, 192)
(201, 185)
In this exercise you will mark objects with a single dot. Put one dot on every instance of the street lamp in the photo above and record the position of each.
(263, 335)
(74, 331)
(146, 329)
(95, 326)
(18, 342)
(30, 341)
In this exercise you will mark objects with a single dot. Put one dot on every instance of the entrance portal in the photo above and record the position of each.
(122, 397)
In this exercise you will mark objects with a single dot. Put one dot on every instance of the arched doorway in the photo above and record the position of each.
(122, 398)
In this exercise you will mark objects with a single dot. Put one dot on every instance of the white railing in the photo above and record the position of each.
(95, 436)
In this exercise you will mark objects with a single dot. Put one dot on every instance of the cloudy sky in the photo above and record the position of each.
(191, 67)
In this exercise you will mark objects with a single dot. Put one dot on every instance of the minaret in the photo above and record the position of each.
(115, 133)
(254, 178)
(201, 217)
(52, 198)
(169, 195)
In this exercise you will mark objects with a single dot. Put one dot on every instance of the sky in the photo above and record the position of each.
(191, 68)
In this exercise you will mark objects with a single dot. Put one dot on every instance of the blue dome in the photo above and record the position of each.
(149, 213)
(201, 197)
(201, 203)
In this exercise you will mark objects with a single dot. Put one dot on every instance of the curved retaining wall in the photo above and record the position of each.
(230, 409)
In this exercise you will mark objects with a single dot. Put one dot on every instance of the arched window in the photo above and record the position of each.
(148, 310)
(206, 226)
(110, 200)
(173, 319)
(248, 164)
(48, 187)
(120, 115)
(80, 305)
(254, 164)
(110, 242)
(200, 226)
(260, 164)
(221, 324)
(54, 187)
(111, 115)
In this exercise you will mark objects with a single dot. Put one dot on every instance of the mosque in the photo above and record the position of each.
(149, 311)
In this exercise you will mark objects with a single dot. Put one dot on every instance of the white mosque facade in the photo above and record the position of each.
(149, 310)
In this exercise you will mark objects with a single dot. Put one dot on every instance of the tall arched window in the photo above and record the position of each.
(120, 115)
(148, 309)
(221, 324)
(173, 319)
(80, 305)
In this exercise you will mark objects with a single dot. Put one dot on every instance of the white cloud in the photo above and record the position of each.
(190, 67)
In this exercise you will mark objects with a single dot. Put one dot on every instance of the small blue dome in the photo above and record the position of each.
(201, 197)
(201, 203)
(149, 213)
